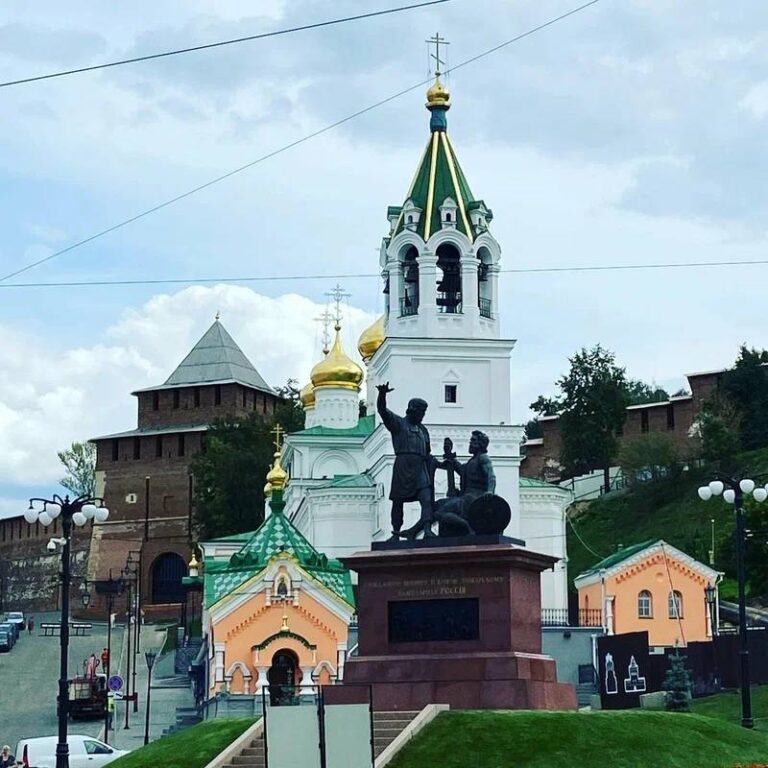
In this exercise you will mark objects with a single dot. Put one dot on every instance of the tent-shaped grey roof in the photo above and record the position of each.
(215, 359)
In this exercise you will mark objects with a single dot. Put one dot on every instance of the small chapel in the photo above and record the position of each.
(439, 339)
(276, 612)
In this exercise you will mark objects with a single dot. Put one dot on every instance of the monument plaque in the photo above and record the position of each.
(419, 621)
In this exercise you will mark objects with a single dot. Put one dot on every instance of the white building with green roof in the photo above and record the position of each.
(440, 339)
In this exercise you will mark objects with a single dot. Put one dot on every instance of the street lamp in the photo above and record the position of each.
(85, 595)
(78, 512)
(150, 656)
(733, 492)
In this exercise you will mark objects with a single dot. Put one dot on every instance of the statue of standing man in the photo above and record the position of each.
(411, 473)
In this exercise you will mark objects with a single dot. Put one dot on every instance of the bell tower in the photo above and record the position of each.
(439, 261)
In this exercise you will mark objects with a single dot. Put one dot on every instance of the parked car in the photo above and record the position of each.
(11, 630)
(17, 617)
(84, 752)
(6, 642)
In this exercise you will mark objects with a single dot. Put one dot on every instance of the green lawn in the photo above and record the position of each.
(191, 748)
(727, 706)
(581, 740)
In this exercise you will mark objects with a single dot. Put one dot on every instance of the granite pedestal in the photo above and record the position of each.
(458, 625)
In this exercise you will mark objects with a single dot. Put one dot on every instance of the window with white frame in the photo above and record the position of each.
(645, 605)
(675, 605)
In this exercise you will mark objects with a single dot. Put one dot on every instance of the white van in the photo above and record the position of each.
(84, 752)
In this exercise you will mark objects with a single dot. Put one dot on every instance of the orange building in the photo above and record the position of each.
(651, 587)
(277, 612)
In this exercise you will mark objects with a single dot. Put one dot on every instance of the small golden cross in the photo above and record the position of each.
(325, 319)
(437, 41)
(278, 431)
(337, 295)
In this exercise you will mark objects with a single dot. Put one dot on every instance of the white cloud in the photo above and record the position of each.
(50, 397)
(756, 100)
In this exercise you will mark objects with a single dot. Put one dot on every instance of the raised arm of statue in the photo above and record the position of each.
(389, 419)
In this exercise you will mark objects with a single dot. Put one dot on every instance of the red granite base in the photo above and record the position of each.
(485, 655)
(464, 681)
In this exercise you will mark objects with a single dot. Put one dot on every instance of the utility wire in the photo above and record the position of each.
(221, 43)
(367, 275)
(290, 145)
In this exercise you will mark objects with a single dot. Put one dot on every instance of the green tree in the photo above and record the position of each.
(79, 460)
(594, 398)
(649, 456)
(640, 393)
(677, 684)
(746, 387)
(546, 406)
(230, 474)
(533, 429)
(718, 431)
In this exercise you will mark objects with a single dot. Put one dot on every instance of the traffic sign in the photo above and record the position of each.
(115, 683)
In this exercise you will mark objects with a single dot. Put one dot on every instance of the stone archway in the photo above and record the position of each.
(167, 572)
(284, 677)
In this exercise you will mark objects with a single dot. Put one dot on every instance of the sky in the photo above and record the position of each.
(630, 133)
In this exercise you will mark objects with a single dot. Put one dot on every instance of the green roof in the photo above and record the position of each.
(439, 176)
(275, 536)
(363, 428)
(216, 358)
(619, 556)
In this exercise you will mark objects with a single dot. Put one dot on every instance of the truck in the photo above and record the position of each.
(88, 696)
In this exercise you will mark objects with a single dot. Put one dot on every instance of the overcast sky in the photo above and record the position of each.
(630, 133)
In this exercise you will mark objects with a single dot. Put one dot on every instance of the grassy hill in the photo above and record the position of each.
(667, 509)
(582, 740)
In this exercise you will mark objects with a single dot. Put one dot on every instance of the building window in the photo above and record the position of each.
(643, 421)
(645, 605)
(675, 605)
(217, 395)
(159, 447)
(115, 450)
(670, 417)
(197, 397)
(136, 447)
(176, 398)
(181, 445)
(155, 401)
(451, 393)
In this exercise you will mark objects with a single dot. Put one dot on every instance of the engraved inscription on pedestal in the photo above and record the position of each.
(422, 621)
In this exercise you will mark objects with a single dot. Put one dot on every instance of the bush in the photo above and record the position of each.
(649, 457)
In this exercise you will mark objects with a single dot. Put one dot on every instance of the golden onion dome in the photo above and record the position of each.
(371, 339)
(337, 370)
(268, 490)
(307, 396)
(438, 95)
(277, 477)
(193, 563)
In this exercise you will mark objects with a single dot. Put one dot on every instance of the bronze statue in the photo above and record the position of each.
(411, 474)
(477, 480)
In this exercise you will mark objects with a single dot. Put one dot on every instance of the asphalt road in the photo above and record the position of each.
(29, 682)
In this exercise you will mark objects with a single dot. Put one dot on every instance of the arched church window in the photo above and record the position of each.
(409, 300)
(449, 279)
(484, 287)
(447, 216)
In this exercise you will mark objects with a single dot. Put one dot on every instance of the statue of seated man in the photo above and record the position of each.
(477, 480)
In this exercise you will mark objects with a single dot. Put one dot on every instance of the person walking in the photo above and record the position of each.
(110, 710)
(30, 624)
(7, 760)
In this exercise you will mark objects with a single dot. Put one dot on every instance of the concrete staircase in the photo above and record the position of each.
(252, 756)
(387, 726)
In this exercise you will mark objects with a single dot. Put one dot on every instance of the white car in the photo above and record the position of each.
(84, 752)
(16, 617)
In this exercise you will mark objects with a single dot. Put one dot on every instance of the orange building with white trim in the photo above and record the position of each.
(651, 587)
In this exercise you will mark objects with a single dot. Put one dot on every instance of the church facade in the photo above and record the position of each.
(439, 339)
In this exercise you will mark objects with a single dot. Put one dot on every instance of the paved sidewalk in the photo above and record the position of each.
(164, 700)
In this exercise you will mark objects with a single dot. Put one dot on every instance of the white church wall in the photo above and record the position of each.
(342, 520)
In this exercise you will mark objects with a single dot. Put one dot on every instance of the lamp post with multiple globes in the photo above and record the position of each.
(75, 512)
(733, 492)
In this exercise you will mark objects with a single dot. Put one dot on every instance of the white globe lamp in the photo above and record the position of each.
(716, 486)
(101, 514)
(704, 493)
(729, 495)
(79, 519)
(747, 485)
(45, 519)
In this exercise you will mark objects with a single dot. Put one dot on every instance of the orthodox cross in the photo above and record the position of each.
(278, 432)
(325, 319)
(437, 41)
(218, 315)
(337, 295)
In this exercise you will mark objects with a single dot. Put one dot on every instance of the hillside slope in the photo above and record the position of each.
(581, 740)
(667, 509)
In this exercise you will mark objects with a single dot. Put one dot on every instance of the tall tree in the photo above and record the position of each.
(79, 460)
(229, 474)
(641, 393)
(594, 398)
(746, 386)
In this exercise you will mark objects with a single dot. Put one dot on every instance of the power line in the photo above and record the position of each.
(221, 43)
(366, 275)
(288, 146)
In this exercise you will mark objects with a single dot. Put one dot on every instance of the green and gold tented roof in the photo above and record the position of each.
(276, 536)
(438, 176)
